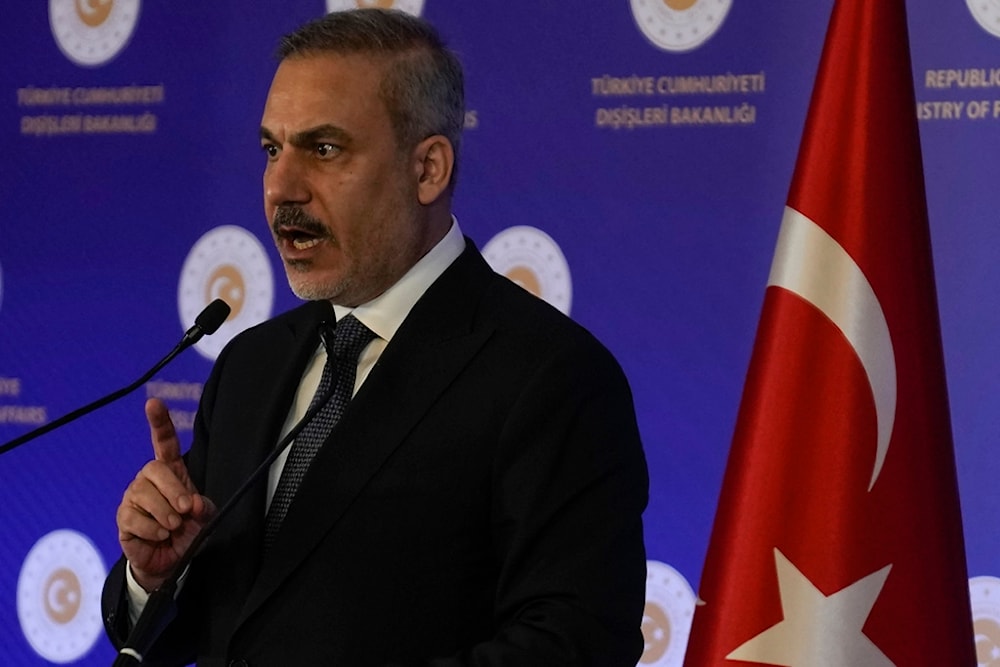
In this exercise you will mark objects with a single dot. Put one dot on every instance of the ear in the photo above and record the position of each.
(434, 160)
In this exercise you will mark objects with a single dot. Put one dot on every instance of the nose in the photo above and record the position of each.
(285, 182)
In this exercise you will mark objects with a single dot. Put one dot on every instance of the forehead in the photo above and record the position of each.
(325, 88)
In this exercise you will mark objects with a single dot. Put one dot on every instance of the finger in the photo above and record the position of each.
(151, 519)
(202, 508)
(158, 490)
(167, 448)
(134, 523)
(166, 444)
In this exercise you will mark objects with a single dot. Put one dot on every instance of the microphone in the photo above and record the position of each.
(207, 323)
(327, 331)
(160, 607)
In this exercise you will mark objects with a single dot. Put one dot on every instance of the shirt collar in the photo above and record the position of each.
(385, 313)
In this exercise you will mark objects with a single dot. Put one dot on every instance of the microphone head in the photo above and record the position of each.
(326, 334)
(210, 319)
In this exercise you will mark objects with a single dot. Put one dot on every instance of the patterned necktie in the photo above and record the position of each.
(350, 337)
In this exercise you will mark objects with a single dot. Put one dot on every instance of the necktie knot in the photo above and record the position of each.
(349, 338)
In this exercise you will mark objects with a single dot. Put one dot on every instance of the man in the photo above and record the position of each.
(479, 500)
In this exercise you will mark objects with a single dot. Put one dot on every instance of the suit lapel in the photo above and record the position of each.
(271, 380)
(436, 341)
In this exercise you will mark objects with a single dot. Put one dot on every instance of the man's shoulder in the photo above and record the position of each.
(508, 308)
(305, 318)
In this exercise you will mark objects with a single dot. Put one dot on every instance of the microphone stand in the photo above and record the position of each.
(207, 322)
(160, 608)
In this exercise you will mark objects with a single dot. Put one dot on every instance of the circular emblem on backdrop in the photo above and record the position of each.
(666, 621)
(530, 258)
(679, 25)
(59, 596)
(227, 263)
(984, 593)
(987, 14)
(92, 32)
(413, 7)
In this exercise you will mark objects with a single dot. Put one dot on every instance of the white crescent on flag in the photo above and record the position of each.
(811, 264)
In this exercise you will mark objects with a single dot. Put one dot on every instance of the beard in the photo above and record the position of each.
(311, 289)
(292, 223)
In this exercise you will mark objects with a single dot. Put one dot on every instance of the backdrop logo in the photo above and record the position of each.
(530, 258)
(413, 7)
(59, 596)
(987, 14)
(679, 25)
(92, 32)
(227, 263)
(666, 621)
(984, 593)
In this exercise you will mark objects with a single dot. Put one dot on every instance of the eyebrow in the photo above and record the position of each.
(311, 136)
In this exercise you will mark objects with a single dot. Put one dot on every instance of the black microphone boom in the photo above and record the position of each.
(161, 608)
(207, 323)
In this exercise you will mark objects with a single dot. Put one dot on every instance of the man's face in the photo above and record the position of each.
(339, 194)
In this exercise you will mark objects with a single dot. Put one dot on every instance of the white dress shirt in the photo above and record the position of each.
(383, 315)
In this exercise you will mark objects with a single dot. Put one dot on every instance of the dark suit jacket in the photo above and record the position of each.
(479, 503)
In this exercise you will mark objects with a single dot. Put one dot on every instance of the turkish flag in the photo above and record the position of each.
(838, 537)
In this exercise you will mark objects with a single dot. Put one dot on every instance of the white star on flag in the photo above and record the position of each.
(818, 630)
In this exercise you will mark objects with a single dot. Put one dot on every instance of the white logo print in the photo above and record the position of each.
(679, 25)
(59, 596)
(413, 7)
(530, 258)
(984, 594)
(227, 263)
(987, 14)
(666, 621)
(92, 32)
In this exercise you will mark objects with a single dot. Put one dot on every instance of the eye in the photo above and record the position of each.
(327, 150)
(271, 150)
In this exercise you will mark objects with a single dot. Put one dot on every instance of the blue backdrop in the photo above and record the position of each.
(629, 161)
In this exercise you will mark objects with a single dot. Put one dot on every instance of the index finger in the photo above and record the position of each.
(166, 444)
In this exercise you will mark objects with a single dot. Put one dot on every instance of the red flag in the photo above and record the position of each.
(838, 538)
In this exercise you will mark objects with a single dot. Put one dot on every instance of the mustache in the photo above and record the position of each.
(294, 216)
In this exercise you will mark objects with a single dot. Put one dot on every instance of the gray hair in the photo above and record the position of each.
(422, 88)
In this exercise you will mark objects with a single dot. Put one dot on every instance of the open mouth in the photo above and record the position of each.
(296, 227)
(300, 239)
(304, 244)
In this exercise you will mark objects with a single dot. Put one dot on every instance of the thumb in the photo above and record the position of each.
(166, 445)
(203, 508)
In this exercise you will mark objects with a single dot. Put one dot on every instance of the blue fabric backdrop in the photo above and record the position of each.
(656, 166)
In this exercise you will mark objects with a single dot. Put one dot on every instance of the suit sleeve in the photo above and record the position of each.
(177, 643)
(570, 486)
